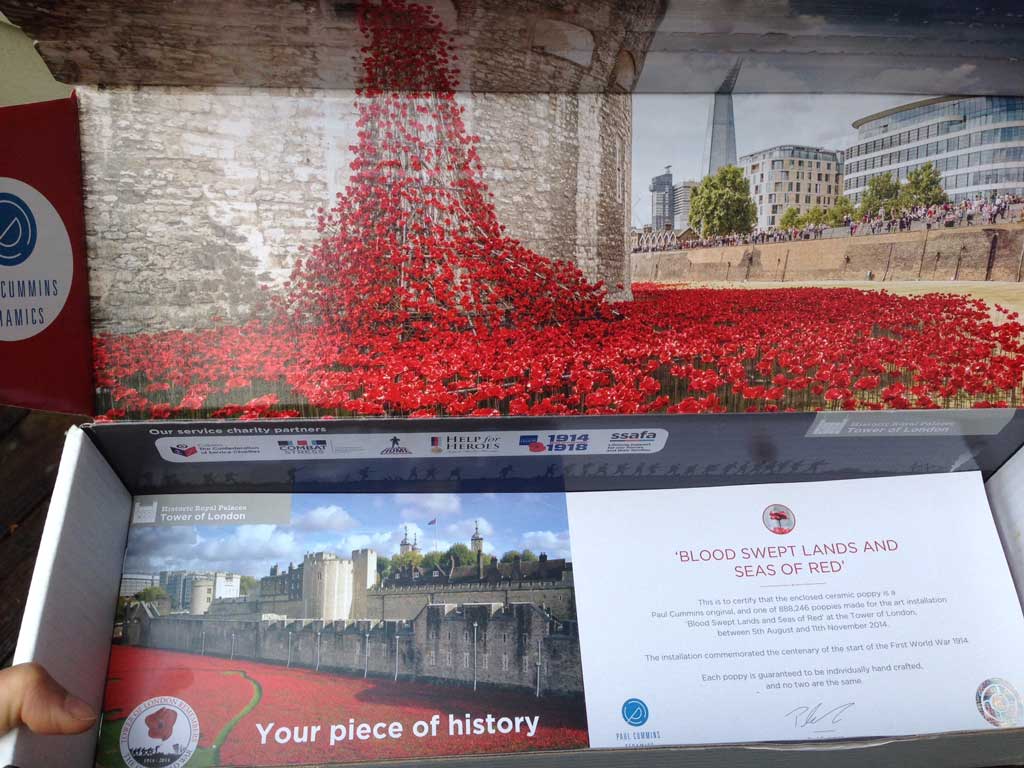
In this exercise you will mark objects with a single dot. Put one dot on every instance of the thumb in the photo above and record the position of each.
(29, 696)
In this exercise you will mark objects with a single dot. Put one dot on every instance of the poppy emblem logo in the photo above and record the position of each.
(163, 731)
(778, 518)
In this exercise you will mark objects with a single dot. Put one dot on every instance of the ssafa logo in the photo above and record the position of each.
(635, 712)
(778, 518)
(36, 261)
(163, 731)
(396, 448)
(999, 703)
(184, 450)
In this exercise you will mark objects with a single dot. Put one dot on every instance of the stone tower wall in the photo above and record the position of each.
(194, 198)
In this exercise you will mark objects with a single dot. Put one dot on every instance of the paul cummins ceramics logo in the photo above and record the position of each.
(36, 261)
(162, 732)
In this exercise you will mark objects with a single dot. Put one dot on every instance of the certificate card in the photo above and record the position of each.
(843, 609)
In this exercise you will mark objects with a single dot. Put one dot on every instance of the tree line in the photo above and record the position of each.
(722, 205)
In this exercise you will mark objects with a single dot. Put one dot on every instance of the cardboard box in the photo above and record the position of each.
(69, 613)
(204, 192)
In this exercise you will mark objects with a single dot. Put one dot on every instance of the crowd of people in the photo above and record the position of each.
(883, 221)
(759, 236)
(965, 213)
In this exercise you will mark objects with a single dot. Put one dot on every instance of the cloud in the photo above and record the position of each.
(380, 542)
(554, 543)
(426, 506)
(248, 543)
(324, 518)
(159, 548)
(462, 530)
(249, 549)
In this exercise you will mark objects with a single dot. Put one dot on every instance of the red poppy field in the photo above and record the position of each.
(416, 302)
(297, 697)
(677, 351)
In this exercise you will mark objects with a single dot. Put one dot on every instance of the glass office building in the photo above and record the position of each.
(662, 201)
(976, 143)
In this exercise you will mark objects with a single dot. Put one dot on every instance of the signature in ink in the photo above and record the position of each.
(805, 716)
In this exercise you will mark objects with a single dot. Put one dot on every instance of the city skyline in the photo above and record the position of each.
(340, 523)
(671, 130)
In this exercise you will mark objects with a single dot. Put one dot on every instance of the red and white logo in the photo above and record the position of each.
(778, 518)
(163, 731)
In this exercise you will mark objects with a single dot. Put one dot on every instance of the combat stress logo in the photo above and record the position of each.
(161, 732)
(302, 447)
(36, 261)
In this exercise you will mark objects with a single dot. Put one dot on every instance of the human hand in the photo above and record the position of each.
(29, 696)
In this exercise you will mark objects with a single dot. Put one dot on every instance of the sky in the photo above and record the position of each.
(670, 129)
(339, 523)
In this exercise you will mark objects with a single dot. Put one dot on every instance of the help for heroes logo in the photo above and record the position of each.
(36, 261)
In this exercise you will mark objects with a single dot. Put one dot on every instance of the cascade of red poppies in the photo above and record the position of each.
(413, 246)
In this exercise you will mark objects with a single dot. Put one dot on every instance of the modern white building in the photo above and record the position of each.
(792, 176)
(976, 143)
(682, 193)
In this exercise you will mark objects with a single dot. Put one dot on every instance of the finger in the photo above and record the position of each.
(29, 696)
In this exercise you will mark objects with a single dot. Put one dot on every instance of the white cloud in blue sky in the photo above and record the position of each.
(340, 523)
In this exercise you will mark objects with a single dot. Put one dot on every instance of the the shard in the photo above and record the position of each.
(720, 140)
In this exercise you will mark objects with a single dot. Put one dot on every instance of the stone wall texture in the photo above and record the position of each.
(196, 197)
(973, 253)
(514, 643)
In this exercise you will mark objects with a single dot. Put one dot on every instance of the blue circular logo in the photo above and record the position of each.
(635, 712)
(17, 230)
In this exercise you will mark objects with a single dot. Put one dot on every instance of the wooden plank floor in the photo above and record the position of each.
(30, 446)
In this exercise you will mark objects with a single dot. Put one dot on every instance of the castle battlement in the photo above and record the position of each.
(470, 587)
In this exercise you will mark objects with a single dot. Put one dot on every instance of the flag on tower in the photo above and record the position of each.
(433, 522)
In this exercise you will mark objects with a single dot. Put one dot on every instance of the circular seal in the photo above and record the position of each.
(998, 702)
(778, 518)
(635, 712)
(18, 231)
(162, 732)
(36, 261)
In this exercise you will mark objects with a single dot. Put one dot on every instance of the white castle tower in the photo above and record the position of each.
(327, 587)
(364, 577)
